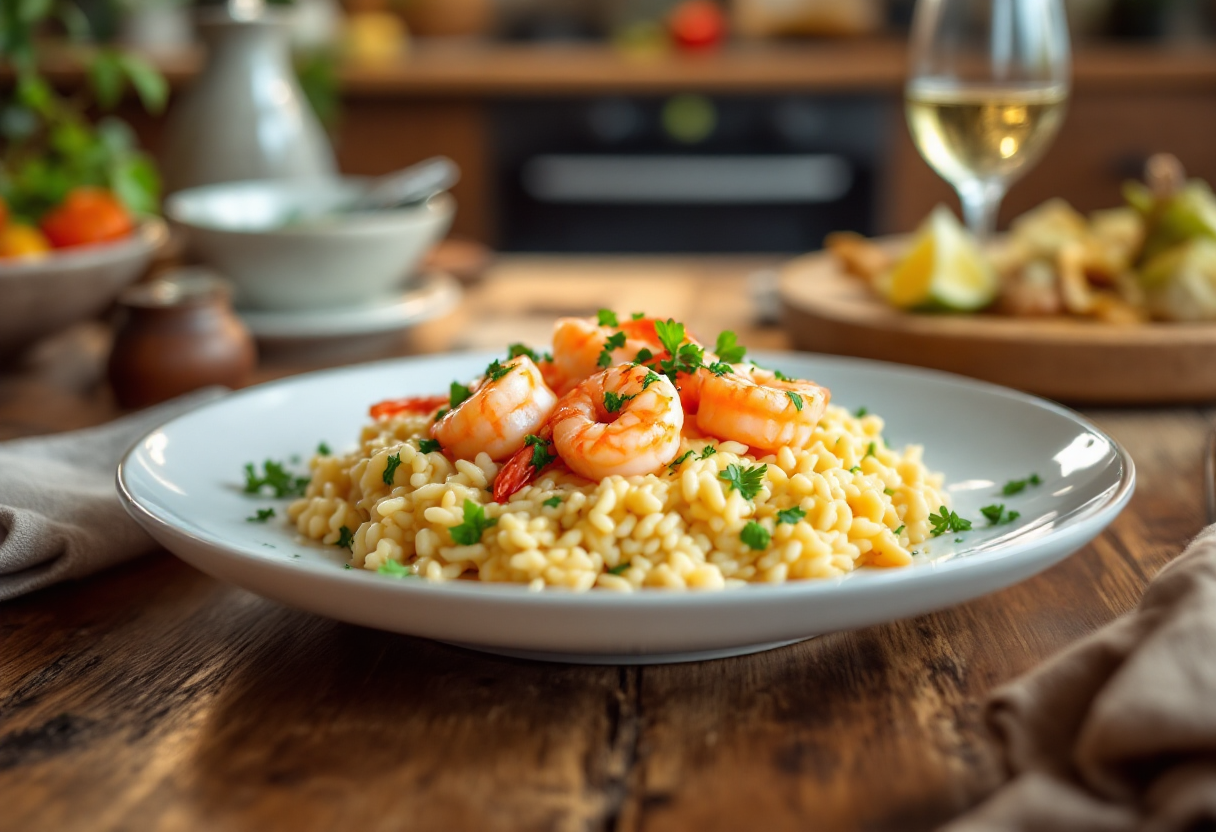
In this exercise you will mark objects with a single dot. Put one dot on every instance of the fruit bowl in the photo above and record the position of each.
(45, 294)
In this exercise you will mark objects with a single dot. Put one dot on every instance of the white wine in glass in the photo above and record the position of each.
(986, 94)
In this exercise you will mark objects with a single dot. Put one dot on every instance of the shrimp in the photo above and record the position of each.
(578, 344)
(500, 414)
(755, 407)
(410, 404)
(625, 420)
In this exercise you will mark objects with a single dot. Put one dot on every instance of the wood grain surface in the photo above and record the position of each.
(152, 697)
(1074, 360)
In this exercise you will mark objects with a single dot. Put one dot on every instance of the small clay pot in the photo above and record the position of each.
(178, 334)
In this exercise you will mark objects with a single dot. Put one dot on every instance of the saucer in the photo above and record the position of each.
(431, 295)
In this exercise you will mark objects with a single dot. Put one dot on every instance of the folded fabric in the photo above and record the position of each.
(1118, 733)
(60, 516)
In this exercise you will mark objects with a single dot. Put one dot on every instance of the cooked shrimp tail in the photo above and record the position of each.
(410, 404)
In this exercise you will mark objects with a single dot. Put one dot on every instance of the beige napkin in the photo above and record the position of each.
(59, 512)
(1118, 732)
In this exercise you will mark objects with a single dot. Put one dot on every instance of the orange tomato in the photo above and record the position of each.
(21, 240)
(87, 215)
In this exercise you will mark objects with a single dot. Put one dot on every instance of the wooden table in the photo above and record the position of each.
(153, 697)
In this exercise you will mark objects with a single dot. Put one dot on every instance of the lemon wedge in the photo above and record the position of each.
(943, 270)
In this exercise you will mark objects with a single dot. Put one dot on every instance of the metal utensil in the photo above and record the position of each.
(413, 184)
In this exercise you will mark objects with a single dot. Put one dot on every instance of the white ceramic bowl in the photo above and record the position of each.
(45, 294)
(271, 240)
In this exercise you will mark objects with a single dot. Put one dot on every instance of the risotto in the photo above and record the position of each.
(720, 513)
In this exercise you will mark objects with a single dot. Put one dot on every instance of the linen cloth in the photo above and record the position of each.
(1118, 732)
(60, 516)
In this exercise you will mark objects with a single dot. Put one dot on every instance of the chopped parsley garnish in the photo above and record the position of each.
(323, 449)
(516, 350)
(619, 568)
(998, 516)
(755, 536)
(346, 538)
(890, 492)
(440, 413)
(429, 446)
(720, 368)
(390, 467)
(871, 450)
(684, 358)
(496, 371)
(458, 395)
(276, 477)
(1018, 486)
(707, 452)
(675, 463)
(795, 398)
(643, 356)
(396, 570)
(899, 531)
(948, 521)
(861, 411)
(650, 379)
(613, 402)
(856, 469)
(607, 317)
(780, 376)
(475, 523)
(728, 347)
(614, 342)
(790, 515)
(540, 452)
(262, 516)
(958, 540)
(552, 502)
(747, 481)
(347, 566)
(637, 316)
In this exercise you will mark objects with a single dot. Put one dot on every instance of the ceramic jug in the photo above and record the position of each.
(245, 117)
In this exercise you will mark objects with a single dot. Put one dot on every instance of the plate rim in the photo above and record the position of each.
(1111, 499)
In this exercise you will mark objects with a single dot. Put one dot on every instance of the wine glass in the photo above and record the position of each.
(986, 93)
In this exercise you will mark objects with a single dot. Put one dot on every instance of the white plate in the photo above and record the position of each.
(431, 296)
(182, 483)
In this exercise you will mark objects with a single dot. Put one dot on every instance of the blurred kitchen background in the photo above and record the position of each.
(655, 126)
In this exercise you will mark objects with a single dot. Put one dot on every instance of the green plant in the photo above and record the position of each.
(49, 144)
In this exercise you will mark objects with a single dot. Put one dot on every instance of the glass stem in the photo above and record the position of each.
(981, 202)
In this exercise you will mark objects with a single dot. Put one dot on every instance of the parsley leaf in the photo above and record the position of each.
(613, 402)
(262, 516)
(948, 521)
(707, 452)
(670, 333)
(998, 516)
(780, 376)
(728, 347)
(496, 371)
(552, 502)
(790, 515)
(856, 469)
(890, 492)
(747, 481)
(871, 450)
(650, 379)
(643, 356)
(440, 413)
(899, 531)
(475, 523)
(619, 568)
(755, 536)
(458, 395)
(390, 468)
(614, 342)
(675, 463)
(861, 411)
(1018, 486)
(429, 446)
(396, 570)
(540, 452)
(276, 477)
(516, 350)
(607, 317)
(346, 538)
(796, 399)
(323, 449)
(637, 316)
(720, 368)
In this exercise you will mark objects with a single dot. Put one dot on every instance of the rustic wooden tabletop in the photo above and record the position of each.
(154, 697)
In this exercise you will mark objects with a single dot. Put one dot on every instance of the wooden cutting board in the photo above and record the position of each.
(1073, 360)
